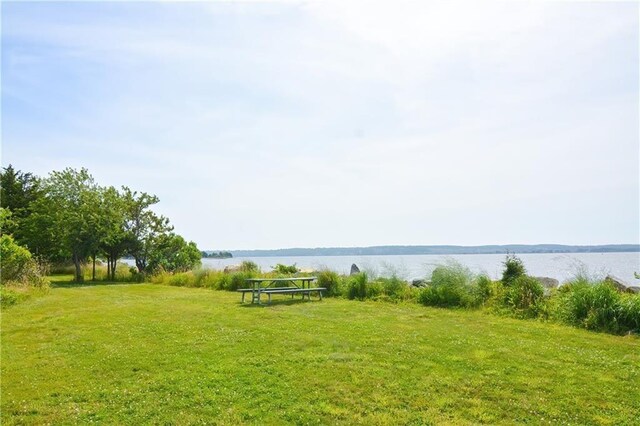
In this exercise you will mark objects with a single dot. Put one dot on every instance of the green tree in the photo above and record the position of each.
(65, 222)
(143, 226)
(18, 190)
(115, 241)
(513, 269)
(172, 253)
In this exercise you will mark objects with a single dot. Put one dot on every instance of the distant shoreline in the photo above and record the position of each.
(438, 250)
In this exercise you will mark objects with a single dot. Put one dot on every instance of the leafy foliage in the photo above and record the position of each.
(172, 253)
(452, 285)
(524, 296)
(513, 269)
(285, 269)
(329, 280)
(597, 306)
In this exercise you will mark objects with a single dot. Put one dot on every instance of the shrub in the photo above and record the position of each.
(9, 297)
(236, 280)
(452, 285)
(513, 269)
(524, 296)
(483, 288)
(597, 306)
(18, 265)
(182, 279)
(357, 286)
(249, 266)
(284, 269)
(329, 280)
(629, 312)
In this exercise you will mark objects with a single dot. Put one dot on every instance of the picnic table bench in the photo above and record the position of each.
(261, 286)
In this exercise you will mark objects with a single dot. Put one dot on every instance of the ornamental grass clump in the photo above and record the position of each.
(361, 288)
(454, 285)
(597, 306)
(331, 281)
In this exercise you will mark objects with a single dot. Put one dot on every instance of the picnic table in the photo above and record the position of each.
(269, 286)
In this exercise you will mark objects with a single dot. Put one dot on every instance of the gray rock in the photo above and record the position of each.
(548, 282)
(419, 283)
(354, 269)
(232, 268)
(620, 284)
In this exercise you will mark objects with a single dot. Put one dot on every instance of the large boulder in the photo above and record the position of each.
(548, 282)
(354, 269)
(621, 285)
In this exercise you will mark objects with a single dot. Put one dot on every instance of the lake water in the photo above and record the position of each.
(561, 266)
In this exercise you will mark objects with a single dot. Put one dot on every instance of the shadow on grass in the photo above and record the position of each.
(73, 284)
(275, 302)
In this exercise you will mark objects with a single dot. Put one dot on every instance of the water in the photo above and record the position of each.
(560, 266)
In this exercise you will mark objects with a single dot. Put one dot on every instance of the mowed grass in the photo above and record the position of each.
(142, 354)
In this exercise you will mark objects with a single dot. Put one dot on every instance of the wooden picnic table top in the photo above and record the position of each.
(289, 279)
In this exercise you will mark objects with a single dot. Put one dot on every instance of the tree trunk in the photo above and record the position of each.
(93, 274)
(140, 264)
(108, 267)
(76, 262)
(114, 263)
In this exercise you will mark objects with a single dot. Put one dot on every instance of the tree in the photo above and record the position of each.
(172, 253)
(115, 241)
(18, 190)
(143, 226)
(64, 222)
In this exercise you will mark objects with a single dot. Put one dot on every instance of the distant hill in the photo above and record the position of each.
(408, 250)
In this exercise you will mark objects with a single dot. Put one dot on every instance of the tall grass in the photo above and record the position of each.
(454, 285)
(597, 306)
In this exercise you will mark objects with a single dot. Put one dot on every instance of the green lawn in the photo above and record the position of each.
(138, 354)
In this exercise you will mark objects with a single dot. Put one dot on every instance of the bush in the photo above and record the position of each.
(629, 312)
(513, 269)
(524, 296)
(18, 265)
(331, 281)
(249, 266)
(357, 287)
(9, 297)
(483, 288)
(284, 269)
(182, 279)
(453, 285)
(597, 306)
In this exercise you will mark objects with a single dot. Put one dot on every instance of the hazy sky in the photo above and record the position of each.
(270, 125)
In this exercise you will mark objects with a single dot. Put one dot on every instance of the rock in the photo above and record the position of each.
(620, 284)
(419, 283)
(232, 268)
(354, 269)
(548, 282)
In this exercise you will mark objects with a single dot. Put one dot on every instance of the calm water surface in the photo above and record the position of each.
(560, 266)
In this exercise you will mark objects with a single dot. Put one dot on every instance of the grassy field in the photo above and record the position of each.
(141, 353)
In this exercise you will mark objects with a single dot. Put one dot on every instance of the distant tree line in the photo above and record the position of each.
(68, 218)
(216, 254)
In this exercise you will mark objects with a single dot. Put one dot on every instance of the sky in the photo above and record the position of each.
(324, 124)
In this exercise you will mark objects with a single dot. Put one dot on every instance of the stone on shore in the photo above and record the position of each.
(548, 282)
(354, 269)
(622, 285)
(419, 283)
